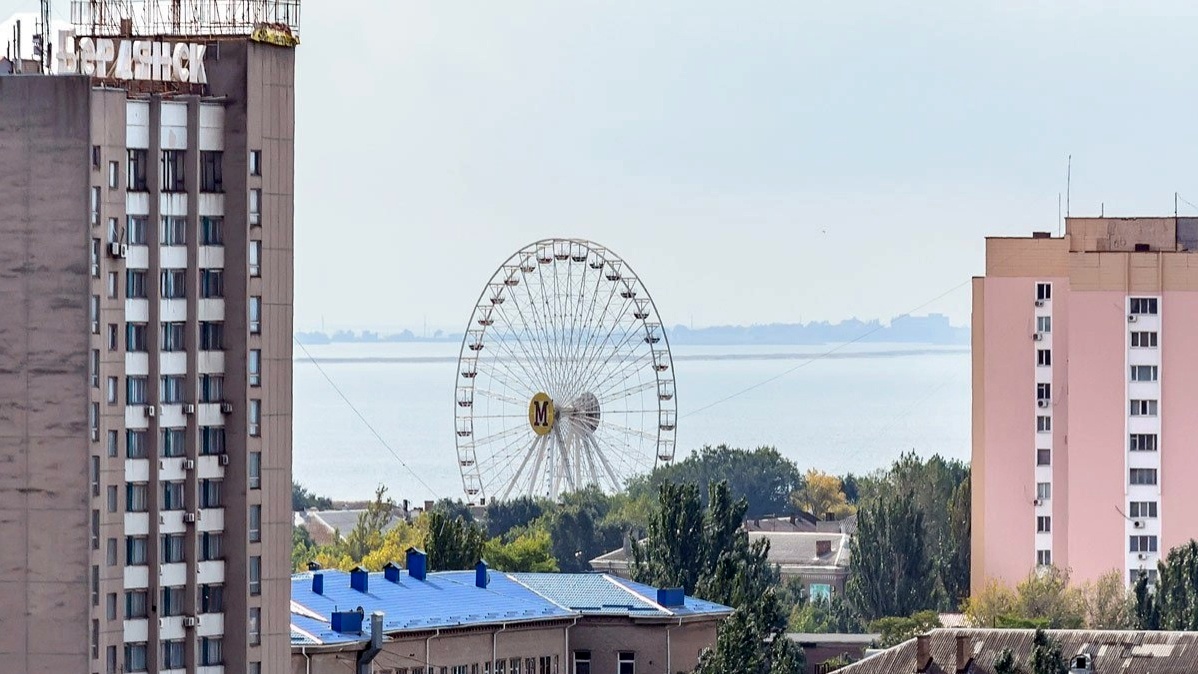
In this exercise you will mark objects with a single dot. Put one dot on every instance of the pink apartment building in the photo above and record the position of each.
(1085, 403)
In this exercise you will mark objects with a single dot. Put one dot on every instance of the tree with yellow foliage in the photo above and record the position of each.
(821, 494)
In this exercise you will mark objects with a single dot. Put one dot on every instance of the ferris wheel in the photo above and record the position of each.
(565, 377)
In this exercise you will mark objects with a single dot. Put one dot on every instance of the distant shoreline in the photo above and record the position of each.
(890, 353)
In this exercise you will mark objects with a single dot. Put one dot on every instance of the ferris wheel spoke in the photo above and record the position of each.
(501, 397)
(587, 347)
(608, 470)
(590, 362)
(620, 372)
(542, 316)
(612, 396)
(535, 362)
(501, 434)
(524, 365)
(515, 479)
(629, 431)
(608, 348)
(502, 376)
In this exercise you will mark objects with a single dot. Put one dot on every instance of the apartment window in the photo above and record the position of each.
(135, 657)
(1044, 357)
(171, 389)
(255, 576)
(136, 551)
(1043, 391)
(1151, 574)
(113, 500)
(515, 665)
(212, 599)
(137, 226)
(1143, 305)
(211, 651)
(174, 165)
(174, 230)
(114, 341)
(111, 552)
(254, 417)
(111, 394)
(1044, 291)
(94, 368)
(627, 663)
(112, 443)
(172, 597)
(138, 162)
(136, 390)
(1044, 557)
(172, 553)
(211, 171)
(1143, 340)
(172, 496)
(210, 493)
(95, 311)
(1141, 543)
(135, 284)
(255, 255)
(212, 440)
(1043, 524)
(1044, 324)
(94, 420)
(1043, 490)
(255, 307)
(96, 534)
(95, 258)
(136, 446)
(173, 336)
(212, 388)
(136, 603)
(212, 283)
(1043, 457)
(255, 162)
(255, 207)
(110, 606)
(582, 662)
(1142, 442)
(174, 284)
(1142, 509)
(1142, 476)
(255, 471)
(212, 335)
(114, 285)
(95, 475)
(1143, 373)
(95, 638)
(255, 626)
(212, 231)
(1043, 424)
(172, 651)
(255, 367)
(95, 157)
(135, 337)
(111, 660)
(500, 667)
(1143, 408)
(173, 442)
(114, 174)
(211, 547)
(95, 204)
(255, 523)
(113, 233)
(137, 497)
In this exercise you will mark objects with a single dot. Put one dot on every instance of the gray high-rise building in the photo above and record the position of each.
(145, 348)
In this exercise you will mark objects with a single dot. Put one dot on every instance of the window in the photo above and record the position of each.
(135, 444)
(94, 419)
(1044, 324)
(1043, 457)
(500, 666)
(95, 157)
(627, 663)
(135, 657)
(1044, 291)
(96, 539)
(255, 367)
(212, 440)
(1142, 476)
(114, 285)
(211, 171)
(114, 385)
(255, 523)
(114, 174)
(1043, 524)
(212, 388)
(1043, 490)
(1142, 509)
(582, 662)
(174, 230)
(113, 499)
(1044, 357)
(1044, 557)
(1143, 408)
(1151, 574)
(255, 162)
(136, 497)
(1141, 543)
(212, 231)
(515, 666)
(211, 651)
(1143, 340)
(255, 307)
(135, 337)
(172, 496)
(255, 255)
(1143, 305)
(95, 258)
(1142, 442)
(94, 368)
(136, 603)
(136, 390)
(173, 442)
(212, 283)
(174, 284)
(1143, 373)
(210, 546)
(95, 475)
(138, 161)
(212, 599)
(135, 284)
(112, 443)
(136, 551)
(173, 336)
(210, 493)
(110, 606)
(114, 341)
(95, 309)
(255, 626)
(95, 637)
(1043, 391)
(255, 207)
(111, 660)
(172, 651)
(137, 225)
(95, 206)
(1043, 424)
(111, 552)
(212, 336)
(254, 417)
(172, 597)
(171, 389)
(174, 165)
(255, 576)
(255, 472)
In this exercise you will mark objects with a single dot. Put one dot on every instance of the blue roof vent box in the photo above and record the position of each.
(347, 621)
(318, 582)
(359, 579)
(671, 597)
(481, 576)
(417, 563)
(391, 572)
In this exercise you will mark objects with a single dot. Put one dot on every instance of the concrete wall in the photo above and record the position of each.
(606, 638)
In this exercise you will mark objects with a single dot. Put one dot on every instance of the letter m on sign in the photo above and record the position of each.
(540, 413)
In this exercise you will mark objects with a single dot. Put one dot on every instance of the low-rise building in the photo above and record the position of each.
(825, 651)
(490, 622)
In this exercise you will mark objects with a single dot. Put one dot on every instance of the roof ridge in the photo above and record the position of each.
(637, 594)
(514, 579)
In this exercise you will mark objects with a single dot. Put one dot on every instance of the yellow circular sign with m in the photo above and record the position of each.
(540, 414)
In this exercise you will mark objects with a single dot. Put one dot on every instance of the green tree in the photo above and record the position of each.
(896, 629)
(1145, 614)
(1005, 663)
(502, 516)
(821, 495)
(302, 499)
(454, 509)
(452, 544)
(1046, 657)
(821, 616)
(1176, 600)
(673, 552)
(1046, 595)
(953, 558)
(529, 549)
(1106, 603)
(763, 477)
(367, 533)
(303, 549)
(889, 571)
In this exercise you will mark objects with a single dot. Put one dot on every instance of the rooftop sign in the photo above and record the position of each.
(127, 59)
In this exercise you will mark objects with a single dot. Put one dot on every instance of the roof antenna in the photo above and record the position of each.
(1068, 183)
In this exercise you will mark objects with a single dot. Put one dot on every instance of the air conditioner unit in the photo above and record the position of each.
(1038, 337)
(226, 408)
(124, 250)
(191, 621)
(1143, 555)
(190, 518)
(224, 459)
(151, 411)
(117, 249)
(1043, 402)
(1039, 303)
(189, 464)
(1038, 502)
(1139, 524)
(1131, 318)
(189, 408)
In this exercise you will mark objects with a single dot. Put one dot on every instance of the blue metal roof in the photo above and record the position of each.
(451, 599)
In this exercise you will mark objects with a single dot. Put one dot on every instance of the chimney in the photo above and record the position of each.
(822, 548)
(314, 566)
(964, 656)
(391, 572)
(428, 506)
(481, 577)
(359, 579)
(318, 583)
(923, 652)
(417, 563)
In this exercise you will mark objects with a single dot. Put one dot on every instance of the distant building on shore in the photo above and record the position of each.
(1083, 398)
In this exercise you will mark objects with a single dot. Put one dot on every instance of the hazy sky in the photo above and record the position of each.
(754, 162)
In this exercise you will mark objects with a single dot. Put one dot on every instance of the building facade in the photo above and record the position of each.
(145, 367)
(1082, 404)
